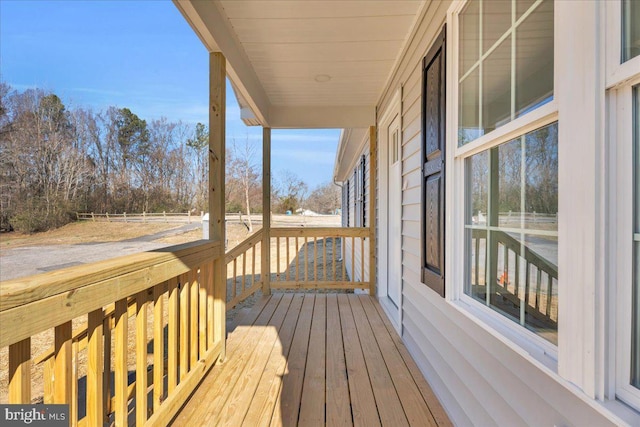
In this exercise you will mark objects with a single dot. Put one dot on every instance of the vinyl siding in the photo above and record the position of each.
(480, 379)
(354, 268)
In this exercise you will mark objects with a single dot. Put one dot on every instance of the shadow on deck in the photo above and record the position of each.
(302, 359)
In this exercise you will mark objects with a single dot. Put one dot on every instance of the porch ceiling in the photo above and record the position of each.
(306, 64)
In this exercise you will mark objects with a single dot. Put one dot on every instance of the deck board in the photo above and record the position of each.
(314, 359)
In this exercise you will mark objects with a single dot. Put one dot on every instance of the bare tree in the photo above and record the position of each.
(244, 171)
(325, 198)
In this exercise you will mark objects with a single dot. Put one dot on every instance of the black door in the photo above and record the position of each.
(433, 167)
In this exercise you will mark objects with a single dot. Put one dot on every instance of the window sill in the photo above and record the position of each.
(516, 337)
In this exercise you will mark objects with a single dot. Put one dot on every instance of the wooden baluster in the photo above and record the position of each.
(244, 273)
(277, 258)
(324, 258)
(173, 325)
(95, 365)
(315, 259)
(235, 278)
(62, 366)
(353, 259)
(202, 313)
(48, 378)
(106, 385)
(297, 260)
(344, 259)
(184, 326)
(121, 370)
(193, 327)
(73, 405)
(20, 372)
(517, 278)
(287, 263)
(208, 281)
(527, 283)
(158, 346)
(253, 265)
(306, 259)
(361, 259)
(335, 270)
(549, 295)
(538, 286)
(141, 358)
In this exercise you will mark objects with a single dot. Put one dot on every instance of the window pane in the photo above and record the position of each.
(496, 20)
(510, 77)
(630, 29)
(469, 117)
(512, 254)
(496, 87)
(478, 185)
(469, 36)
(534, 59)
(540, 208)
(635, 329)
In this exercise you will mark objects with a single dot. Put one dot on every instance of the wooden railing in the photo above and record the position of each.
(243, 275)
(176, 293)
(300, 258)
(317, 258)
(539, 287)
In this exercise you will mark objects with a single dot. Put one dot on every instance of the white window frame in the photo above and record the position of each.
(620, 80)
(455, 266)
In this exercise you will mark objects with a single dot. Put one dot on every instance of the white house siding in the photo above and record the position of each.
(480, 378)
(355, 271)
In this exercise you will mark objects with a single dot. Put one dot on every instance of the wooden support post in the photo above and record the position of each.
(217, 228)
(373, 162)
(265, 270)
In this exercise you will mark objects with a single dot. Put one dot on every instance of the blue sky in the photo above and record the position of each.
(137, 54)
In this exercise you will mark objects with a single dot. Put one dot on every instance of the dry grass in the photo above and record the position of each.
(84, 232)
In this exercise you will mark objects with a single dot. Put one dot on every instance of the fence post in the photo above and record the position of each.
(93, 217)
(144, 217)
(189, 217)
(164, 214)
(125, 216)
(108, 220)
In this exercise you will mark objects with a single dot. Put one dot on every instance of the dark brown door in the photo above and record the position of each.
(433, 167)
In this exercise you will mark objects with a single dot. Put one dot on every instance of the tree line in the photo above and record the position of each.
(55, 161)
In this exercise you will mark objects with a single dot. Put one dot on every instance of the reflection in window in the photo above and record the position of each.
(505, 64)
(512, 230)
(630, 29)
(635, 330)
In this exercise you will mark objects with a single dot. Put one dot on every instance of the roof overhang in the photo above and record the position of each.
(351, 145)
(306, 64)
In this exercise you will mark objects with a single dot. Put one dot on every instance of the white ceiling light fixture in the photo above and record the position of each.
(322, 78)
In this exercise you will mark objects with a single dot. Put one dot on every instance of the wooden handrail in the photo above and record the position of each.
(24, 290)
(69, 293)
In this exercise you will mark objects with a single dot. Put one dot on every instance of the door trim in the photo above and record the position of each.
(392, 111)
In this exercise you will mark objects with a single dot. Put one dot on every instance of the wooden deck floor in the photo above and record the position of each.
(314, 359)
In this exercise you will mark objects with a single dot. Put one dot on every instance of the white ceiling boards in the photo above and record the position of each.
(317, 57)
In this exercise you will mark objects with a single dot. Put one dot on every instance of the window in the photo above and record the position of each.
(635, 329)
(512, 229)
(505, 63)
(505, 72)
(630, 29)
